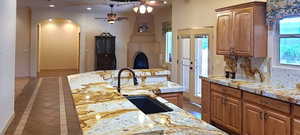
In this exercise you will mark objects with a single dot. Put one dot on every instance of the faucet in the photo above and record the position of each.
(135, 82)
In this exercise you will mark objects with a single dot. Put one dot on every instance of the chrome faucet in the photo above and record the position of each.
(135, 82)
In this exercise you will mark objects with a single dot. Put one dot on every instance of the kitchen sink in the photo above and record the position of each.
(148, 105)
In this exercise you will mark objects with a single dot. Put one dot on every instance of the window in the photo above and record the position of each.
(169, 47)
(289, 41)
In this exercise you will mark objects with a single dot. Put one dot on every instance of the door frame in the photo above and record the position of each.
(38, 41)
(192, 32)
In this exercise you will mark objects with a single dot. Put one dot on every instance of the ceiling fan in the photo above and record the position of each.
(112, 16)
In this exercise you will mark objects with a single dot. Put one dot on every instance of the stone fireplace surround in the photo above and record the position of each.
(144, 42)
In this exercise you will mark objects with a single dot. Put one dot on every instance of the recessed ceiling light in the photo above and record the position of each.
(50, 20)
(165, 2)
(52, 6)
(89, 8)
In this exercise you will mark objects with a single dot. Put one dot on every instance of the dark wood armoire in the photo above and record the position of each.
(105, 52)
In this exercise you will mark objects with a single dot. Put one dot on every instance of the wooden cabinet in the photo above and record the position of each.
(224, 31)
(252, 120)
(242, 31)
(175, 98)
(296, 127)
(205, 100)
(217, 108)
(233, 109)
(226, 109)
(262, 117)
(276, 123)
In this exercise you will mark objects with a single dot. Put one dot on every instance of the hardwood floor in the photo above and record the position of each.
(46, 108)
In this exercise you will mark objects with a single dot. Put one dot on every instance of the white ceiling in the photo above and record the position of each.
(79, 5)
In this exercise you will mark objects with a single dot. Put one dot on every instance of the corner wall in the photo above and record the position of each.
(23, 42)
(7, 58)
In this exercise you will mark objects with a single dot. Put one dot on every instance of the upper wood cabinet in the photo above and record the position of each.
(224, 33)
(242, 30)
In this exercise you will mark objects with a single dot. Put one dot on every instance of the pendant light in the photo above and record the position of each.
(143, 9)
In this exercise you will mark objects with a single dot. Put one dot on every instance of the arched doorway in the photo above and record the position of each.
(58, 47)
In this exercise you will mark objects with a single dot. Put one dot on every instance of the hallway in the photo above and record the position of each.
(46, 102)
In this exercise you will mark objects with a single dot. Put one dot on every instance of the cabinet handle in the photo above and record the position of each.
(266, 116)
(261, 115)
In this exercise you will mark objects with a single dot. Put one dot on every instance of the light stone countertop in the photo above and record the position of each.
(103, 111)
(291, 95)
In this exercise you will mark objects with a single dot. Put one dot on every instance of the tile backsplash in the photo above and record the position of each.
(285, 77)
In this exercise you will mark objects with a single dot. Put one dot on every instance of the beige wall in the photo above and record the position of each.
(23, 42)
(89, 27)
(160, 16)
(7, 58)
(198, 13)
(59, 45)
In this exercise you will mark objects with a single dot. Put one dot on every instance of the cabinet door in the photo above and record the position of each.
(205, 101)
(175, 98)
(243, 31)
(217, 108)
(224, 33)
(276, 123)
(233, 112)
(253, 123)
(296, 127)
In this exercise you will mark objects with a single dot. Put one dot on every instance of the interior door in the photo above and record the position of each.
(184, 62)
(193, 61)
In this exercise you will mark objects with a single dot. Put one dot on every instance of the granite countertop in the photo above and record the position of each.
(104, 111)
(291, 95)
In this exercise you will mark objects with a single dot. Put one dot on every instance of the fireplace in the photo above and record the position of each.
(141, 61)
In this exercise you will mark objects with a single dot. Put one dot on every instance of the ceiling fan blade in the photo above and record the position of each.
(104, 18)
(122, 18)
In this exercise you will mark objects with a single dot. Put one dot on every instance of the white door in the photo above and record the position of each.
(193, 62)
(184, 61)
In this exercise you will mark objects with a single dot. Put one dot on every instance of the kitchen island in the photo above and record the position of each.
(102, 110)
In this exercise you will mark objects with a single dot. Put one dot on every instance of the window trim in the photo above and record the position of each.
(276, 46)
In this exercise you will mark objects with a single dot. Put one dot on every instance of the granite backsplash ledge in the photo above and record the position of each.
(277, 76)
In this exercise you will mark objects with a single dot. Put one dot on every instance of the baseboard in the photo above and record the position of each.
(7, 124)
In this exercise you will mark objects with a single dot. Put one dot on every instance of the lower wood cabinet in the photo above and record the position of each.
(244, 113)
(296, 127)
(233, 118)
(252, 120)
(205, 100)
(217, 108)
(175, 98)
(226, 109)
(276, 123)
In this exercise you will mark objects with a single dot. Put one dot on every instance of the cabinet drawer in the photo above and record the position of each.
(233, 92)
(271, 103)
(296, 111)
(226, 90)
(217, 88)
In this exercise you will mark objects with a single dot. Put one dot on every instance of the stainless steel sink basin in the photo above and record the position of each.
(148, 105)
